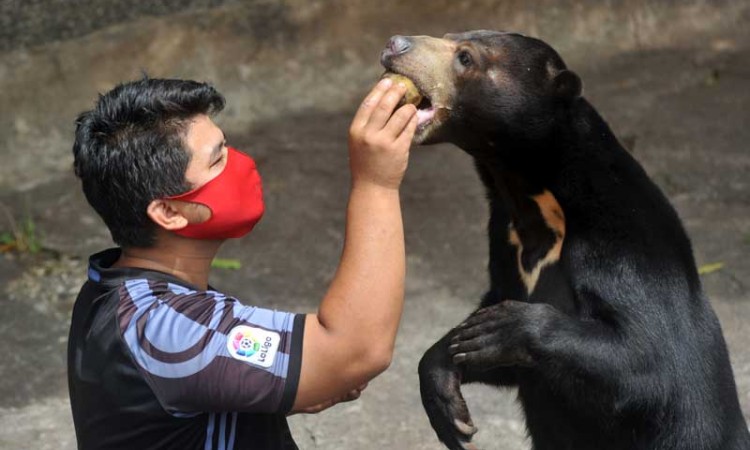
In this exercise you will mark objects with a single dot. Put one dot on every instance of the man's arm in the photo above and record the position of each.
(351, 338)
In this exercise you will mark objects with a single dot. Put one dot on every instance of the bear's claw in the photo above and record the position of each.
(464, 427)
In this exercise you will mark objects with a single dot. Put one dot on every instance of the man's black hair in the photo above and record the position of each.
(129, 150)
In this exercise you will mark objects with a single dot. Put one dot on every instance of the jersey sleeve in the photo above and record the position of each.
(201, 351)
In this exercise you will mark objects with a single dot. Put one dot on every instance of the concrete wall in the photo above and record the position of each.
(27, 23)
(272, 58)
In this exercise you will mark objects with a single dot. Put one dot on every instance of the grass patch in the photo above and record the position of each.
(705, 269)
(226, 263)
(22, 237)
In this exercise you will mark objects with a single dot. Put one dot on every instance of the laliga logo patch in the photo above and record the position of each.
(254, 345)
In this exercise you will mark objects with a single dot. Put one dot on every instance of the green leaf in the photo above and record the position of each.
(226, 263)
(710, 268)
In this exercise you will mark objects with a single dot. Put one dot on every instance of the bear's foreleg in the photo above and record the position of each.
(440, 381)
(585, 360)
(505, 334)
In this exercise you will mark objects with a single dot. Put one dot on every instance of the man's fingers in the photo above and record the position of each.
(385, 107)
(352, 395)
(317, 408)
(370, 102)
(407, 134)
(399, 120)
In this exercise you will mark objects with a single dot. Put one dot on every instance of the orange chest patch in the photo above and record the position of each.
(553, 219)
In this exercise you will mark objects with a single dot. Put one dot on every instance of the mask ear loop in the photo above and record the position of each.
(191, 193)
(210, 212)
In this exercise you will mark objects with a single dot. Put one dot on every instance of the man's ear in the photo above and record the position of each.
(165, 214)
(567, 85)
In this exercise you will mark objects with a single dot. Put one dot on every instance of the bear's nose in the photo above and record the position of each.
(398, 45)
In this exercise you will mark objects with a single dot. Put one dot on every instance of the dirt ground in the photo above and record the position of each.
(683, 111)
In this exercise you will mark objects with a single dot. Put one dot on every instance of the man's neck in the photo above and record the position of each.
(187, 259)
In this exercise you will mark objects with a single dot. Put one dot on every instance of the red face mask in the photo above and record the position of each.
(235, 198)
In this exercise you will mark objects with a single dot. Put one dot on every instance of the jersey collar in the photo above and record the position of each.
(101, 271)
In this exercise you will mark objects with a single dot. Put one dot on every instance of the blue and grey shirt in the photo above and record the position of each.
(154, 363)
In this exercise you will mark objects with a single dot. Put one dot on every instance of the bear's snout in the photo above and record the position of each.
(397, 45)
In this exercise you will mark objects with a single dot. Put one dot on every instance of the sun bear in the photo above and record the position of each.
(595, 310)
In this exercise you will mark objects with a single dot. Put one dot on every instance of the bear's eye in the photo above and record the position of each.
(464, 58)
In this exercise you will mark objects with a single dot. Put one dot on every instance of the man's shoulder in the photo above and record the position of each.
(159, 300)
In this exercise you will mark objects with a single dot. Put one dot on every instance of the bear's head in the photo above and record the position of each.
(483, 89)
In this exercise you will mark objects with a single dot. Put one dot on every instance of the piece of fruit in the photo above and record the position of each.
(412, 95)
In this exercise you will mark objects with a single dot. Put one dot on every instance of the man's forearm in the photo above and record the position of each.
(365, 298)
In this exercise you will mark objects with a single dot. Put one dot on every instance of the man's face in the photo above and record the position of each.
(208, 151)
(208, 154)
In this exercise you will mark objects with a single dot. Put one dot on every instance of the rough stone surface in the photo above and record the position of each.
(675, 92)
(26, 23)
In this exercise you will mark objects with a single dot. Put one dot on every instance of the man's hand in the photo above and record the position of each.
(379, 139)
(348, 397)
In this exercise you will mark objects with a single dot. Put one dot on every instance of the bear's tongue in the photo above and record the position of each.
(425, 115)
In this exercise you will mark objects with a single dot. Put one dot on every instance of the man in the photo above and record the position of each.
(157, 358)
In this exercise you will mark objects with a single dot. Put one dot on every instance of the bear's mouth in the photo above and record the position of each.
(425, 110)
(415, 94)
(425, 96)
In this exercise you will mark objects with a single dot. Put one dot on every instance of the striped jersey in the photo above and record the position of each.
(155, 363)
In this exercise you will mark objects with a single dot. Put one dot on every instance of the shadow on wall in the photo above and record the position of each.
(271, 58)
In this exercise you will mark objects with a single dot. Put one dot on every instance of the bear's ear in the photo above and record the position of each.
(567, 85)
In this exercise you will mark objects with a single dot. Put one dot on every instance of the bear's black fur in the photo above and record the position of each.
(595, 309)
